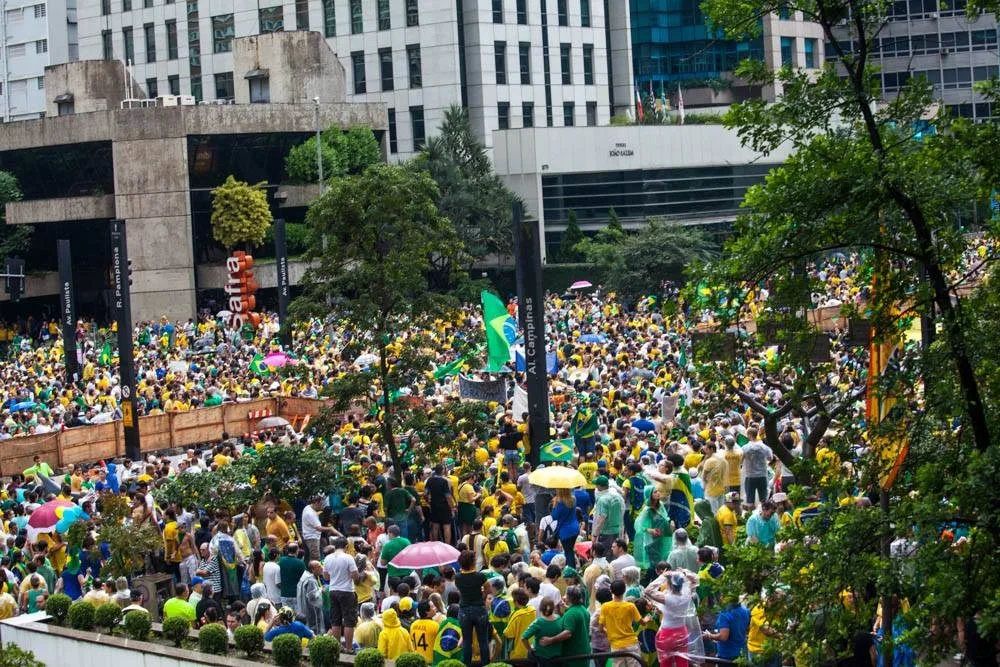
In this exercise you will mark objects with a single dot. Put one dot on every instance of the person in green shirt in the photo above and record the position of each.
(178, 606)
(547, 625)
(575, 634)
(397, 503)
(390, 549)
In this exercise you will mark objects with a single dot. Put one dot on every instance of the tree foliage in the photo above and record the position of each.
(378, 238)
(241, 215)
(300, 163)
(16, 239)
(349, 152)
(129, 544)
(356, 148)
(570, 240)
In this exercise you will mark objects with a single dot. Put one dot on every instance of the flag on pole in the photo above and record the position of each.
(257, 365)
(680, 102)
(681, 506)
(663, 96)
(104, 358)
(446, 370)
(557, 451)
(639, 115)
(495, 318)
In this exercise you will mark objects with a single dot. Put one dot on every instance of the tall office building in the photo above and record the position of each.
(511, 63)
(936, 40)
(33, 35)
(672, 46)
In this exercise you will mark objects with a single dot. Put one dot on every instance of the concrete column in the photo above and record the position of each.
(622, 78)
(151, 195)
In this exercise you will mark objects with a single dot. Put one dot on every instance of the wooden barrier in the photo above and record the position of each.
(87, 444)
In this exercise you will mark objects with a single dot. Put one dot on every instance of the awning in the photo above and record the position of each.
(258, 74)
(65, 97)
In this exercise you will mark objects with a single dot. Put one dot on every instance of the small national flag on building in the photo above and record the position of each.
(680, 102)
(557, 451)
(639, 115)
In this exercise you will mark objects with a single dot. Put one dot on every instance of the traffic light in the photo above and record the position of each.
(130, 273)
(241, 288)
(14, 278)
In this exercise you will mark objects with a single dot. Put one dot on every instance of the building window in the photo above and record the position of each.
(384, 17)
(105, 7)
(412, 14)
(358, 68)
(784, 13)
(417, 121)
(414, 66)
(357, 18)
(585, 13)
(385, 68)
(42, 46)
(566, 64)
(568, 109)
(17, 51)
(126, 5)
(224, 86)
(149, 36)
(528, 114)
(524, 62)
(522, 12)
(811, 48)
(500, 61)
(41, 83)
(260, 90)
(788, 51)
(329, 18)
(172, 40)
(563, 14)
(393, 139)
(591, 113)
(503, 115)
(301, 14)
(498, 11)
(40, 11)
(588, 64)
(64, 108)
(152, 89)
(271, 19)
(222, 33)
(129, 44)
(147, 4)
(174, 84)
(107, 51)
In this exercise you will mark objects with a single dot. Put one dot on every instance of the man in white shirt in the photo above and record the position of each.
(313, 529)
(623, 559)
(272, 577)
(342, 571)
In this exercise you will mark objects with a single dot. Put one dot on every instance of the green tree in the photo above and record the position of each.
(357, 148)
(469, 193)
(614, 224)
(300, 163)
(16, 239)
(128, 543)
(241, 215)
(377, 235)
(571, 238)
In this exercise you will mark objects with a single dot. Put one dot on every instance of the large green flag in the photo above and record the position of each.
(258, 367)
(104, 358)
(446, 370)
(495, 316)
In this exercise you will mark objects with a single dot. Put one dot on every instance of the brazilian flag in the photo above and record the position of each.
(447, 370)
(104, 358)
(557, 451)
(258, 367)
(496, 318)
(681, 507)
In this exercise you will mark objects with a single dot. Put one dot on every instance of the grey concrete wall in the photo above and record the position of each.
(213, 276)
(96, 85)
(300, 64)
(99, 207)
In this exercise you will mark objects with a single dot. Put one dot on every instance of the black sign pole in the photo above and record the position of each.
(67, 310)
(531, 313)
(284, 283)
(126, 361)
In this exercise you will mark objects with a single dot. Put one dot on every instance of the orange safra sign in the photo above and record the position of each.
(240, 288)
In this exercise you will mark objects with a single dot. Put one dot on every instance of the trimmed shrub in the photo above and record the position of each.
(81, 616)
(286, 650)
(176, 629)
(410, 659)
(212, 638)
(249, 639)
(450, 662)
(107, 616)
(324, 651)
(369, 657)
(498, 664)
(137, 625)
(57, 606)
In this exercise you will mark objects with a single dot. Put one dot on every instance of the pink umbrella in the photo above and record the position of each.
(580, 284)
(45, 518)
(276, 360)
(425, 554)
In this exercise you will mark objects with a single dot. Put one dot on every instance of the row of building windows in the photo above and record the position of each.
(934, 43)
(16, 16)
(950, 78)
(21, 86)
(903, 10)
(417, 129)
(19, 50)
(524, 63)
(528, 114)
(810, 52)
(562, 12)
(414, 69)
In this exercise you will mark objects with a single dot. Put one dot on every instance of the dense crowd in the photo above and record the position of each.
(626, 563)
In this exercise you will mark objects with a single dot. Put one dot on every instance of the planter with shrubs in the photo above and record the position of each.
(213, 639)
(107, 616)
(450, 662)
(81, 616)
(175, 630)
(57, 606)
(249, 639)
(286, 650)
(137, 625)
(369, 657)
(410, 659)
(324, 651)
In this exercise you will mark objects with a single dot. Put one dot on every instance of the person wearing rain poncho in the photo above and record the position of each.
(652, 531)
(678, 641)
(709, 533)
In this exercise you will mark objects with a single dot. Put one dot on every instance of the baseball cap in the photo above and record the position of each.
(601, 480)
(197, 580)
(733, 497)
(406, 604)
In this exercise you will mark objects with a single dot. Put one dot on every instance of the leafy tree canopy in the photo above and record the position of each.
(240, 214)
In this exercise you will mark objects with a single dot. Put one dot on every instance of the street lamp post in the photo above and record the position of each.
(319, 147)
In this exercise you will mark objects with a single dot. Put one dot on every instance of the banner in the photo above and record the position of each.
(482, 390)
(519, 405)
(668, 408)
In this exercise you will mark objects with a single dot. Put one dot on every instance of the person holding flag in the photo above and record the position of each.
(584, 426)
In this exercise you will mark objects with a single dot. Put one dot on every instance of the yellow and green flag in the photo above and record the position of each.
(258, 367)
(557, 451)
(495, 318)
(104, 358)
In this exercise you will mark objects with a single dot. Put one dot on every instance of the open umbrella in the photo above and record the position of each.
(580, 284)
(557, 478)
(366, 360)
(593, 338)
(223, 314)
(271, 422)
(23, 405)
(425, 554)
(276, 360)
(45, 518)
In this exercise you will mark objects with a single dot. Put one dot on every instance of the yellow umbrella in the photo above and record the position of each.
(557, 478)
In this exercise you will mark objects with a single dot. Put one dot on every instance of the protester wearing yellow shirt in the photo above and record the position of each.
(618, 618)
(494, 545)
(518, 622)
(728, 519)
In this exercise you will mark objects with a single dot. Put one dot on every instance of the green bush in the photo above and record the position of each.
(286, 650)
(176, 629)
(410, 659)
(249, 639)
(13, 655)
(57, 606)
(212, 638)
(137, 625)
(107, 615)
(324, 651)
(81, 616)
(450, 662)
(498, 664)
(369, 657)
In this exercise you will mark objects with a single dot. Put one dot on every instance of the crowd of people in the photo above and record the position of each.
(626, 565)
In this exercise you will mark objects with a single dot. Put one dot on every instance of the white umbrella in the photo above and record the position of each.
(177, 366)
(366, 359)
(223, 313)
(272, 422)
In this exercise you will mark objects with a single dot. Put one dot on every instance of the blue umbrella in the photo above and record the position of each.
(24, 405)
(593, 338)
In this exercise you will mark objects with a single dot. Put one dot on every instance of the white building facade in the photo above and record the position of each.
(34, 34)
(511, 63)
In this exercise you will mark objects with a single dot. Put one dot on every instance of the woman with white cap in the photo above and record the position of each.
(679, 637)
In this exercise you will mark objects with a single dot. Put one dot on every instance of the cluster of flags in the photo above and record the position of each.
(661, 105)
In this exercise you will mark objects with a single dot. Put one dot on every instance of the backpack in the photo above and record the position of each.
(637, 494)
(549, 531)
(512, 542)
